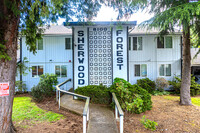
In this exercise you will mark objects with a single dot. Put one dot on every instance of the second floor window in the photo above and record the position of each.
(67, 43)
(164, 42)
(37, 71)
(40, 44)
(135, 43)
(61, 70)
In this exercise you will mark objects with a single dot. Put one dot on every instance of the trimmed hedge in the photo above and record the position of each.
(147, 84)
(98, 94)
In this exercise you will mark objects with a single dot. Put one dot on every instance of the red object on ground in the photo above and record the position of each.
(4, 89)
(70, 61)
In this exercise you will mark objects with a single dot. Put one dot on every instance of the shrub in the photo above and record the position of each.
(20, 86)
(132, 98)
(194, 87)
(176, 83)
(37, 93)
(148, 123)
(147, 84)
(161, 84)
(47, 83)
(98, 94)
(44, 87)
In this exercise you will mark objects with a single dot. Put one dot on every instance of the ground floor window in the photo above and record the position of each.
(141, 70)
(61, 70)
(165, 70)
(37, 71)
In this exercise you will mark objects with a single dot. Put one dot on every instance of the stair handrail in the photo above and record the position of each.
(86, 108)
(118, 109)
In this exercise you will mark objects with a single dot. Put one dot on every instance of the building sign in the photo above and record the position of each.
(120, 52)
(4, 89)
(100, 55)
(80, 57)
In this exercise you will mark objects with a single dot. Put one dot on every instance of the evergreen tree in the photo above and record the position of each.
(167, 15)
(28, 17)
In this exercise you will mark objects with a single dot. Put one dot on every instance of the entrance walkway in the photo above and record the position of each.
(101, 118)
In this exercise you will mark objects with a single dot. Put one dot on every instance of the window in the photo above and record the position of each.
(136, 43)
(164, 42)
(40, 44)
(129, 41)
(67, 43)
(141, 70)
(165, 70)
(61, 70)
(37, 71)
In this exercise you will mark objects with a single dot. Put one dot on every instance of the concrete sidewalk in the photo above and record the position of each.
(101, 118)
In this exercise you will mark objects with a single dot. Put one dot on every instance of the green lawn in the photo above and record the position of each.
(24, 109)
(195, 100)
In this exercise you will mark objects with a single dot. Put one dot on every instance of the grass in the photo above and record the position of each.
(24, 109)
(195, 100)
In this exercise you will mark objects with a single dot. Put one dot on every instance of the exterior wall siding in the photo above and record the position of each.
(54, 53)
(153, 57)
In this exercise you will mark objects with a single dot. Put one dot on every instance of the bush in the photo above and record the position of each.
(148, 123)
(44, 87)
(98, 94)
(176, 83)
(161, 84)
(194, 87)
(20, 86)
(47, 83)
(37, 93)
(132, 98)
(147, 84)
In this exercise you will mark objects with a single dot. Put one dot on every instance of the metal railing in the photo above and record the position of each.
(118, 109)
(86, 108)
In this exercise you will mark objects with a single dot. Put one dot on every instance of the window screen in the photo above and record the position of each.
(34, 71)
(139, 43)
(67, 43)
(168, 42)
(40, 44)
(137, 70)
(143, 70)
(57, 71)
(168, 69)
(160, 42)
(129, 40)
(63, 71)
(134, 43)
(161, 70)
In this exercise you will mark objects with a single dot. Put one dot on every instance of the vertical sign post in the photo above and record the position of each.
(4, 89)
(120, 60)
(80, 57)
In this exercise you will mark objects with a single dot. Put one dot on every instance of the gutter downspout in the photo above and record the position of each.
(181, 40)
(20, 58)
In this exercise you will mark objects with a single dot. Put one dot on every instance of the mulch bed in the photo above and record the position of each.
(72, 123)
(170, 116)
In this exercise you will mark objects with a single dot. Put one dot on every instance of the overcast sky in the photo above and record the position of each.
(108, 14)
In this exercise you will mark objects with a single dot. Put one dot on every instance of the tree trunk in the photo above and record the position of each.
(8, 37)
(185, 98)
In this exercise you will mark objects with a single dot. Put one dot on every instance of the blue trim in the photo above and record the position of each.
(128, 23)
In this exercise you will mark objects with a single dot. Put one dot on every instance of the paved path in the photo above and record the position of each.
(101, 118)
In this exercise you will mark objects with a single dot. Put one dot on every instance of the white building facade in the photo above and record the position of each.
(144, 55)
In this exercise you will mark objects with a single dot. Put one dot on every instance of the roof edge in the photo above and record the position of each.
(96, 23)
